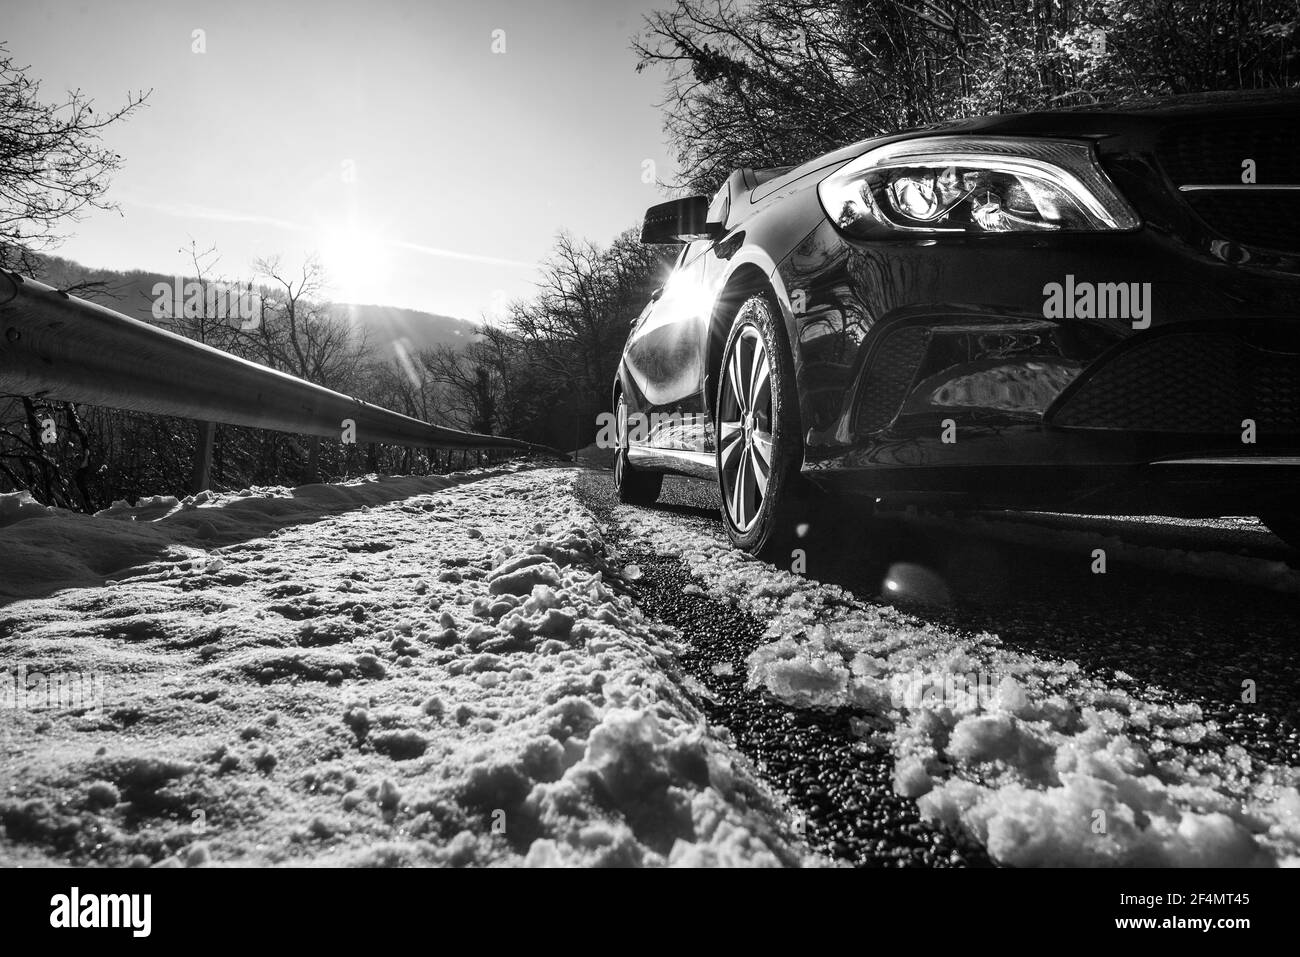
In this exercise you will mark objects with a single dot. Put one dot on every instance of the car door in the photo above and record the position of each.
(665, 354)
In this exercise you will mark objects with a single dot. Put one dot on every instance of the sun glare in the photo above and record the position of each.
(356, 261)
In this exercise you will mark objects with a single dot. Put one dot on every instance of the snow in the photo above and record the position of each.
(1038, 762)
(450, 671)
(16, 506)
(412, 670)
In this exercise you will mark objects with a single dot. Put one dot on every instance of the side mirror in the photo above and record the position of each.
(678, 221)
(654, 297)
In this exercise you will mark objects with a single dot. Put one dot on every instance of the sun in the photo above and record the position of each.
(357, 262)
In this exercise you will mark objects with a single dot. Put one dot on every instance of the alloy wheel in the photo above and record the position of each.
(620, 450)
(745, 428)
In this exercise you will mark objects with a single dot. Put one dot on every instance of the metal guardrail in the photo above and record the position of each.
(56, 346)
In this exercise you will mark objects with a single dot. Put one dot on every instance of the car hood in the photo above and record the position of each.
(1093, 121)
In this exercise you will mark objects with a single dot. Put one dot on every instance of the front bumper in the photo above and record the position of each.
(898, 341)
(1200, 378)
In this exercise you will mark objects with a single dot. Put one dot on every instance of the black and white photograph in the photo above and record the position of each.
(847, 435)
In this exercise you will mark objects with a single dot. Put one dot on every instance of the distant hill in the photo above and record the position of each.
(132, 293)
(423, 330)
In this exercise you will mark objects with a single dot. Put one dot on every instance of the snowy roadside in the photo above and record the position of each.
(1038, 762)
(440, 670)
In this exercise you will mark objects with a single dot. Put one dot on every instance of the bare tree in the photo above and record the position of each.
(554, 356)
(774, 82)
(471, 390)
(404, 385)
(207, 316)
(302, 334)
(52, 164)
(575, 326)
(52, 168)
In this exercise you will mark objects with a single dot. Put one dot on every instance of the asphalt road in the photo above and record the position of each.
(1160, 615)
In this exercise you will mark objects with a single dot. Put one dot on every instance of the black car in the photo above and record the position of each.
(1087, 310)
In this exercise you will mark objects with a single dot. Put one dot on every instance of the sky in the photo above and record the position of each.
(426, 168)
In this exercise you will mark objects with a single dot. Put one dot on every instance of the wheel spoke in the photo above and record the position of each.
(731, 436)
(759, 470)
(759, 379)
(763, 446)
(738, 380)
(742, 492)
(737, 494)
(736, 396)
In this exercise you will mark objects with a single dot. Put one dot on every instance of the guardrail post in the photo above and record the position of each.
(201, 476)
(313, 459)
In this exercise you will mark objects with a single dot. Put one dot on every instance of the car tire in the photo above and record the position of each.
(635, 486)
(763, 498)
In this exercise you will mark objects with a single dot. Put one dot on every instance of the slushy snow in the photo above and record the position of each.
(438, 670)
(1038, 762)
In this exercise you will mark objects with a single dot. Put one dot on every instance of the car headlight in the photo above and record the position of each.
(969, 184)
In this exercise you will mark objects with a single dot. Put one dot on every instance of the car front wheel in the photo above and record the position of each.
(758, 448)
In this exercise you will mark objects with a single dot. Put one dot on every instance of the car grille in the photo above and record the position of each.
(1190, 382)
(1267, 220)
(887, 379)
(1211, 153)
